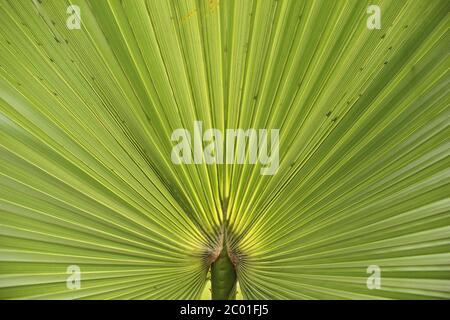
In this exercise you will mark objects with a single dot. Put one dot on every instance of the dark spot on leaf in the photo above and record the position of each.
(383, 36)
(328, 114)
(335, 119)
(386, 62)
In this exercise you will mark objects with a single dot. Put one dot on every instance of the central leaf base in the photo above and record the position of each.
(223, 277)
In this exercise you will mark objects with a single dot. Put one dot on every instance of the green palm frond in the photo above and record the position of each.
(86, 176)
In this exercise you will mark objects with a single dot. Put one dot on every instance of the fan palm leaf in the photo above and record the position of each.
(86, 177)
